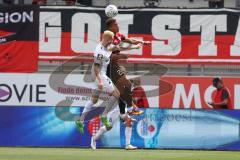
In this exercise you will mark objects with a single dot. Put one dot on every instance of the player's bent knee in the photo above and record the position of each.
(128, 125)
(128, 122)
(116, 94)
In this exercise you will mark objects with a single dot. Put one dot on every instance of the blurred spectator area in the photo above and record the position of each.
(165, 3)
(136, 3)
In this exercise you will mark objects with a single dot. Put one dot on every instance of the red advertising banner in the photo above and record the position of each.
(203, 36)
(19, 38)
(196, 92)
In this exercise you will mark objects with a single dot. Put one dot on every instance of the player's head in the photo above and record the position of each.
(107, 37)
(217, 82)
(112, 25)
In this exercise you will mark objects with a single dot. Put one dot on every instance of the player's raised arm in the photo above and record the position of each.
(135, 41)
(122, 48)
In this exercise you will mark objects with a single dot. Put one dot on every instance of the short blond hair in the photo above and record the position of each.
(108, 33)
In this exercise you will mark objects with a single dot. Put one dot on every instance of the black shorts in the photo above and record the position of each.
(122, 84)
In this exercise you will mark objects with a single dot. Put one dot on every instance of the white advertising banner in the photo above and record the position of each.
(17, 89)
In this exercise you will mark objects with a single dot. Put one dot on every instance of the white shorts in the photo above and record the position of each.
(108, 85)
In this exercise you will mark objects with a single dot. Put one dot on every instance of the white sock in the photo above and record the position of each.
(128, 135)
(110, 105)
(100, 133)
(87, 108)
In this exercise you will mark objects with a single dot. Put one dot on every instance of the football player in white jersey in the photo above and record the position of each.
(103, 83)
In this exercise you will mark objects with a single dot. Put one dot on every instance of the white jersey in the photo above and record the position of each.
(101, 57)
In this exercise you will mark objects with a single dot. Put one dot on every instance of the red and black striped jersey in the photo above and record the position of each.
(118, 37)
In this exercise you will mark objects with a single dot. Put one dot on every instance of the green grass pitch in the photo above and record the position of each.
(12, 153)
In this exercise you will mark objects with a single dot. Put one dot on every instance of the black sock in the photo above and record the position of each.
(122, 106)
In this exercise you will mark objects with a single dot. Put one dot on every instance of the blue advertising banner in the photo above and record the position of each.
(156, 128)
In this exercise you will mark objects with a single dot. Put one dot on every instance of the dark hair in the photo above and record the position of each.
(216, 80)
(109, 22)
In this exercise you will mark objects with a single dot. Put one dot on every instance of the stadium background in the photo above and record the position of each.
(52, 131)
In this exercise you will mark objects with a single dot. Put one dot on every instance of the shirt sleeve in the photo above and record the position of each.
(225, 94)
(121, 36)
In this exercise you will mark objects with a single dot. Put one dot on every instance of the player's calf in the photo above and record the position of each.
(88, 107)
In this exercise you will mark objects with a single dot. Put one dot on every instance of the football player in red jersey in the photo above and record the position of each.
(222, 99)
(114, 71)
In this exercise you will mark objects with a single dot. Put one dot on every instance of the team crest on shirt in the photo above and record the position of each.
(99, 57)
